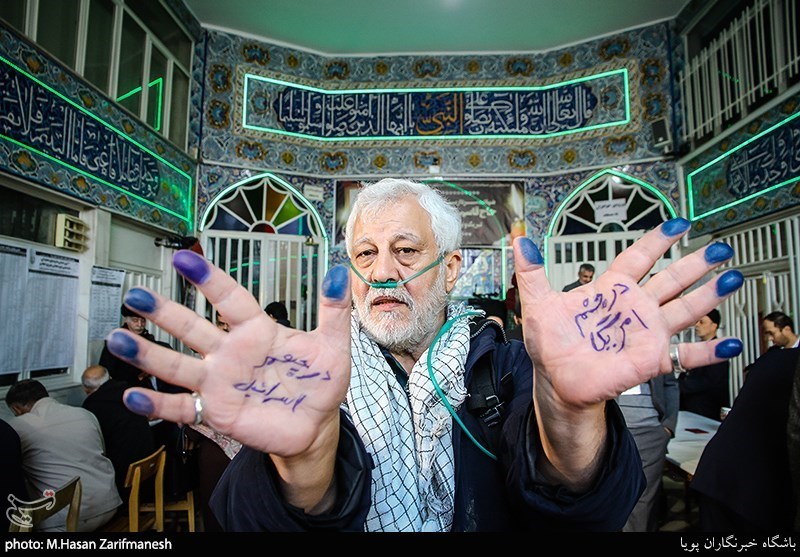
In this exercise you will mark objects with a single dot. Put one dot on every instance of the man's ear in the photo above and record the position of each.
(17, 408)
(452, 263)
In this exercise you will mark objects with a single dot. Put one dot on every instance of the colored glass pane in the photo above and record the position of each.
(289, 211)
(274, 201)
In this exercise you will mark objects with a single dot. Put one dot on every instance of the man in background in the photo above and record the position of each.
(60, 442)
(704, 390)
(585, 276)
(119, 369)
(127, 436)
(779, 329)
(278, 312)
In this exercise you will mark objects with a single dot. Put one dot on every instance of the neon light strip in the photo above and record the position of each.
(689, 178)
(283, 83)
(187, 218)
(160, 82)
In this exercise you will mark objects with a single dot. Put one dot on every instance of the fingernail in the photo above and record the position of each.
(139, 403)
(335, 284)
(122, 345)
(728, 282)
(728, 348)
(530, 252)
(191, 265)
(140, 300)
(718, 252)
(673, 227)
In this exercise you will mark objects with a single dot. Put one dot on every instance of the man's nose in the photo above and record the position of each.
(384, 268)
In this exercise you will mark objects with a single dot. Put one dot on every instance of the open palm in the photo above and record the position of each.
(592, 343)
(268, 386)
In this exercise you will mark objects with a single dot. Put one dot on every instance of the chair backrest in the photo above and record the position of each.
(138, 472)
(29, 515)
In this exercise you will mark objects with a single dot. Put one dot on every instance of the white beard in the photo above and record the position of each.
(395, 332)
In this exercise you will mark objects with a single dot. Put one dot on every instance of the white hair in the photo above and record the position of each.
(375, 198)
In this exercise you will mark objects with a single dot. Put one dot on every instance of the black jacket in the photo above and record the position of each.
(127, 436)
(490, 495)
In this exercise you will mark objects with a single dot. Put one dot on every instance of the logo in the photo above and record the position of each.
(19, 512)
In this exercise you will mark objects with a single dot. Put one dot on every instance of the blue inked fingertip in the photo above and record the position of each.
(140, 300)
(530, 252)
(673, 227)
(335, 284)
(122, 345)
(718, 252)
(139, 403)
(728, 282)
(192, 265)
(728, 348)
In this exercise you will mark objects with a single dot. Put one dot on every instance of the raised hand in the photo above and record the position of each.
(273, 388)
(593, 343)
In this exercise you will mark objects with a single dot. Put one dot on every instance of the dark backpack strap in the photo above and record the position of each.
(484, 397)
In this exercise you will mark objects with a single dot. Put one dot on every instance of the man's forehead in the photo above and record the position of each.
(398, 236)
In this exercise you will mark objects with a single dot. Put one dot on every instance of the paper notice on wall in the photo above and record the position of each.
(51, 310)
(611, 210)
(105, 301)
(13, 274)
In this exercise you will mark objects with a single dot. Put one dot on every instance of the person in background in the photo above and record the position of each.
(120, 369)
(516, 331)
(743, 480)
(60, 442)
(388, 461)
(278, 312)
(494, 309)
(651, 413)
(793, 444)
(779, 330)
(585, 276)
(704, 390)
(12, 477)
(127, 436)
(222, 324)
(215, 452)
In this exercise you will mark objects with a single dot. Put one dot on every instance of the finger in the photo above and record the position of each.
(684, 272)
(230, 298)
(167, 364)
(693, 355)
(177, 408)
(199, 334)
(637, 260)
(334, 307)
(686, 310)
(529, 266)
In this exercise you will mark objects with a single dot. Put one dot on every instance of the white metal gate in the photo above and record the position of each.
(272, 267)
(566, 253)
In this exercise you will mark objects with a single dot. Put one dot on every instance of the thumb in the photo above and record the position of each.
(334, 307)
(529, 266)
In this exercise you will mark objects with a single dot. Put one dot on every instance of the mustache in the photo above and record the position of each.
(399, 293)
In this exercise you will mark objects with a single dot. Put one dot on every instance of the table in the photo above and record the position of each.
(692, 433)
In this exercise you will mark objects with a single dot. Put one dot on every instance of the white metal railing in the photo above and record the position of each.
(766, 255)
(756, 57)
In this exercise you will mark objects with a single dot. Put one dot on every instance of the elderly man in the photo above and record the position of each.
(120, 369)
(401, 362)
(127, 436)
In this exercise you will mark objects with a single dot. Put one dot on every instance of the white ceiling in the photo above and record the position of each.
(352, 27)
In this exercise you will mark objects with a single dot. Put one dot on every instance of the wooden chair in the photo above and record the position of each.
(186, 504)
(31, 513)
(139, 472)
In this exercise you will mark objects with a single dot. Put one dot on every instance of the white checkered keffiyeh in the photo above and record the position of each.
(413, 485)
